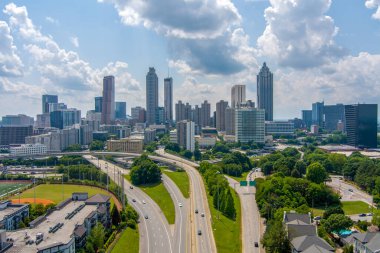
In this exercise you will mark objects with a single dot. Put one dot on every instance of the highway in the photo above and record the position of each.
(204, 242)
(348, 191)
(252, 229)
(155, 235)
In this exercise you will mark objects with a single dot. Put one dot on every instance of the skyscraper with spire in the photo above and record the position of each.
(265, 91)
(151, 96)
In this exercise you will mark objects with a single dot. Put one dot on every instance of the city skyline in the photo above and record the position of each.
(333, 68)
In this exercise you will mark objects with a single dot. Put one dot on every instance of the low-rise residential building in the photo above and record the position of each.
(368, 242)
(149, 135)
(302, 234)
(279, 128)
(128, 145)
(65, 229)
(205, 142)
(28, 149)
(11, 215)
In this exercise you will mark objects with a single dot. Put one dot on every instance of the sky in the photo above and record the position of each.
(320, 50)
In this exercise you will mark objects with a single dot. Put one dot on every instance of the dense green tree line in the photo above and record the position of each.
(51, 161)
(145, 171)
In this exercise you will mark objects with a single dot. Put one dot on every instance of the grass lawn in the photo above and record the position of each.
(53, 192)
(161, 196)
(227, 232)
(6, 187)
(128, 242)
(355, 207)
(243, 176)
(181, 179)
(317, 211)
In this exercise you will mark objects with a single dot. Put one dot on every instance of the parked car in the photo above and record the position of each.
(196, 210)
(199, 232)
(362, 215)
(256, 244)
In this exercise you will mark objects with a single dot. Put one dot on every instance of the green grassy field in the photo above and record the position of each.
(128, 242)
(181, 179)
(6, 187)
(227, 232)
(317, 211)
(243, 176)
(355, 207)
(161, 196)
(53, 192)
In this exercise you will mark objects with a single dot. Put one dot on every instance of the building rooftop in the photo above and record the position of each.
(10, 209)
(98, 198)
(61, 236)
(311, 244)
(296, 218)
(370, 239)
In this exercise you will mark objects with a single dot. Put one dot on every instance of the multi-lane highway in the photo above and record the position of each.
(201, 221)
(251, 223)
(155, 233)
(349, 192)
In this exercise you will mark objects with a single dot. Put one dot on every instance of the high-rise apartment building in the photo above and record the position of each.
(65, 118)
(121, 110)
(151, 96)
(237, 95)
(249, 125)
(220, 116)
(333, 116)
(307, 118)
(98, 104)
(168, 99)
(317, 114)
(108, 105)
(185, 134)
(46, 99)
(180, 111)
(205, 114)
(361, 125)
(230, 121)
(265, 92)
(138, 113)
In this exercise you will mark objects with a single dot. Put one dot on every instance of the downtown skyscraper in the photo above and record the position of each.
(108, 103)
(237, 95)
(168, 99)
(265, 91)
(46, 100)
(151, 96)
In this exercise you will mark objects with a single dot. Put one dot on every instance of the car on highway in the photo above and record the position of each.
(256, 244)
(196, 210)
(203, 215)
(180, 204)
(146, 217)
(143, 202)
(362, 215)
(369, 214)
(350, 190)
(133, 200)
(199, 232)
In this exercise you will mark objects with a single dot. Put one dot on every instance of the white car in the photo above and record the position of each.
(180, 204)
(143, 202)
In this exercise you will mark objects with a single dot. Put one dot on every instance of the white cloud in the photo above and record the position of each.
(298, 33)
(10, 63)
(74, 41)
(52, 20)
(374, 4)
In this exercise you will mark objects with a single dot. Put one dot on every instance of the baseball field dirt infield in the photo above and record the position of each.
(31, 201)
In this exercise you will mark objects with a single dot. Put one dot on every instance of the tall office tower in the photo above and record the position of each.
(307, 118)
(14, 134)
(160, 115)
(121, 110)
(139, 114)
(46, 99)
(65, 118)
(333, 116)
(98, 104)
(179, 111)
(265, 92)
(317, 114)
(185, 134)
(108, 105)
(250, 125)
(205, 114)
(220, 117)
(230, 121)
(361, 125)
(17, 120)
(237, 95)
(168, 99)
(151, 96)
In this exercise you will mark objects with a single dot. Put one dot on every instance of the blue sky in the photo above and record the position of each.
(318, 50)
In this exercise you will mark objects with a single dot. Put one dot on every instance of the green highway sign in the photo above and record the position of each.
(252, 183)
(243, 183)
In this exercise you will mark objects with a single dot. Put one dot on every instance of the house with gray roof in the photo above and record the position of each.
(368, 242)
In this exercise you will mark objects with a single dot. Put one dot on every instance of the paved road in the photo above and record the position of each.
(205, 243)
(155, 235)
(251, 223)
(344, 190)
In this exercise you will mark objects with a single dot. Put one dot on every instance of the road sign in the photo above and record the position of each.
(243, 183)
(252, 183)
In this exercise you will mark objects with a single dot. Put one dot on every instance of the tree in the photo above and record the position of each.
(332, 210)
(96, 145)
(300, 166)
(337, 161)
(316, 173)
(229, 207)
(197, 155)
(275, 238)
(145, 171)
(337, 223)
(187, 154)
(73, 148)
(115, 216)
(95, 241)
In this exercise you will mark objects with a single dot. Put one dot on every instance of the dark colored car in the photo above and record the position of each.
(256, 244)
(196, 210)
(199, 232)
